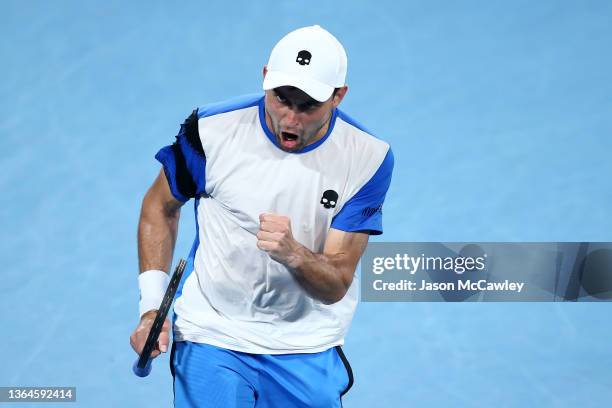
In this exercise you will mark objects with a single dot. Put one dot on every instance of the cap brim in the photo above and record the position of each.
(315, 89)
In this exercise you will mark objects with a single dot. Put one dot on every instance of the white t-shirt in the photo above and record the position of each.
(233, 295)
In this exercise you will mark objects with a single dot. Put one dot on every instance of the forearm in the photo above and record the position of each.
(327, 276)
(157, 231)
(324, 277)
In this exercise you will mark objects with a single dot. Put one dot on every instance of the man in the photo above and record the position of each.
(287, 190)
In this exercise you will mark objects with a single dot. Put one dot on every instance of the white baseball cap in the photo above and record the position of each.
(309, 58)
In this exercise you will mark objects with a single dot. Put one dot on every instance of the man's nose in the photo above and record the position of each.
(291, 117)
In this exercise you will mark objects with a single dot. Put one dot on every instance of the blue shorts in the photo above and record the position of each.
(206, 376)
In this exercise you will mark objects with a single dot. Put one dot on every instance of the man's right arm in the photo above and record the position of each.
(157, 230)
(158, 226)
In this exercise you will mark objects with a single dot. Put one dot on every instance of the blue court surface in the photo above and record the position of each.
(500, 117)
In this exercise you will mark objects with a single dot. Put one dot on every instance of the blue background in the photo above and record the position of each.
(499, 114)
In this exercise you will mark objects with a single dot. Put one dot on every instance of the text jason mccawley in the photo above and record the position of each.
(459, 265)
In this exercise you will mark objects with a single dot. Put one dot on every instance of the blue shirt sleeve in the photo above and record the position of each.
(184, 161)
(363, 211)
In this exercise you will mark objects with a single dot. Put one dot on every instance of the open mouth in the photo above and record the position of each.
(289, 140)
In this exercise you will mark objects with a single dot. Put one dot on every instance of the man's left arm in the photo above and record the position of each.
(326, 276)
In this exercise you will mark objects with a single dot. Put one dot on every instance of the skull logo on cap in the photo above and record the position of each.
(303, 57)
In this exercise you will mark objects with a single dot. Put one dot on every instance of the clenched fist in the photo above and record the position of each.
(275, 237)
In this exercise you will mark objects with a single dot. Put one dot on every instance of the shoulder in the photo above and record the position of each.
(364, 149)
(230, 105)
(215, 115)
(354, 135)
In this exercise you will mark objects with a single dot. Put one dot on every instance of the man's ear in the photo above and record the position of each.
(339, 96)
(265, 71)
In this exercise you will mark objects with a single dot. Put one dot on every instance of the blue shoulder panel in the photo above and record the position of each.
(363, 212)
(240, 102)
(184, 161)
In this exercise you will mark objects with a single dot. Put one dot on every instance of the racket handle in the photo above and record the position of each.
(144, 371)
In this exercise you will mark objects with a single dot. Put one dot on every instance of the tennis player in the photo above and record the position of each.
(287, 189)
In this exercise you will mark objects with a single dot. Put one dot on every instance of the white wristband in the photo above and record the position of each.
(152, 285)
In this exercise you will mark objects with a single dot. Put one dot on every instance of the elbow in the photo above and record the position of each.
(331, 299)
(336, 295)
(341, 288)
(328, 301)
